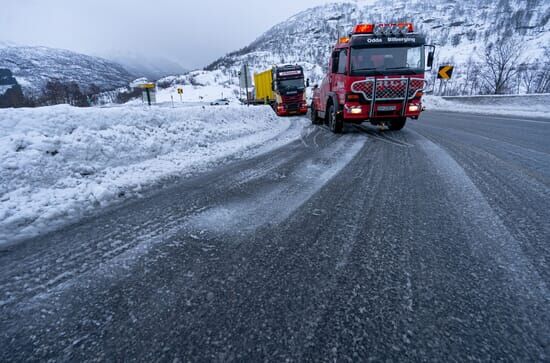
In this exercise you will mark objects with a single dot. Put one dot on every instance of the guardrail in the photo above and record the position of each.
(496, 100)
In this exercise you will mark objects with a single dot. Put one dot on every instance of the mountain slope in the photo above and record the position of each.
(460, 29)
(151, 67)
(33, 67)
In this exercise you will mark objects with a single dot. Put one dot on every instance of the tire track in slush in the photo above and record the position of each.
(279, 200)
(484, 224)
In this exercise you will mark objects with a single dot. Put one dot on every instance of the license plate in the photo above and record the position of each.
(387, 108)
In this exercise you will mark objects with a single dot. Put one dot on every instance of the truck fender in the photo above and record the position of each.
(332, 97)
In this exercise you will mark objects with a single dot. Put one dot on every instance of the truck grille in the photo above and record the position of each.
(389, 89)
(293, 99)
(292, 103)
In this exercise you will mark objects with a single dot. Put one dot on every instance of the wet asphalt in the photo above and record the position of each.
(429, 244)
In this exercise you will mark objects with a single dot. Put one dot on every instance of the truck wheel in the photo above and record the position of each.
(313, 115)
(334, 122)
(397, 124)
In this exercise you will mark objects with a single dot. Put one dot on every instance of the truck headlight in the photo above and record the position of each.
(414, 108)
(354, 110)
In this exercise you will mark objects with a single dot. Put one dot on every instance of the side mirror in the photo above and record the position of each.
(430, 60)
(307, 82)
(431, 56)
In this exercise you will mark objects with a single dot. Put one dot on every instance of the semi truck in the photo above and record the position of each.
(284, 88)
(375, 74)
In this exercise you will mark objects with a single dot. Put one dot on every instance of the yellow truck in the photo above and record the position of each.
(284, 88)
(263, 83)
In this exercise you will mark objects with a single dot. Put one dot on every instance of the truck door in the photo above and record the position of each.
(338, 73)
(335, 77)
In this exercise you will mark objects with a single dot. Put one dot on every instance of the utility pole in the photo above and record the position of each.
(246, 82)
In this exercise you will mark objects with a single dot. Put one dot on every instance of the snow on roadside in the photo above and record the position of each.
(521, 106)
(59, 163)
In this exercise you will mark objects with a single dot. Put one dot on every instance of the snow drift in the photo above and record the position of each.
(58, 163)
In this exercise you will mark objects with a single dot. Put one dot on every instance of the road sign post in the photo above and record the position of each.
(445, 73)
(149, 93)
(245, 80)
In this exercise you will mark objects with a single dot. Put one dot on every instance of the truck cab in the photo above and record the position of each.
(376, 74)
(284, 88)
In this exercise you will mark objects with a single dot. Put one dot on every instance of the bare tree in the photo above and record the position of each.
(528, 75)
(500, 65)
(543, 78)
(471, 82)
(54, 93)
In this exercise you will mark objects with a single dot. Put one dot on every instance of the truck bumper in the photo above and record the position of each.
(355, 112)
(283, 110)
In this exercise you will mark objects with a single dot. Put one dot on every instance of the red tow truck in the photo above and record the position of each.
(376, 74)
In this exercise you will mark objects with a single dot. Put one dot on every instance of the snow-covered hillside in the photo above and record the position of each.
(461, 29)
(152, 67)
(33, 67)
(198, 86)
(60, 162)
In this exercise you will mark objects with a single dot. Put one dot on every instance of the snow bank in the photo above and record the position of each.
(58, 163)
(513, 105)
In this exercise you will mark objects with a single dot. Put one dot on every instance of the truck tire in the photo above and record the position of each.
(315, 120)
(397, 124)
(334, 122)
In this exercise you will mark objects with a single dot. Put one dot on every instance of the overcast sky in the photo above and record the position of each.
(191, 32)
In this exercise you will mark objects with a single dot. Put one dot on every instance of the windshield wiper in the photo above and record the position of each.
(377, 70)
(401, 69)
(364, 69)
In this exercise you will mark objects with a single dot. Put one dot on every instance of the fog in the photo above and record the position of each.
(191, 33)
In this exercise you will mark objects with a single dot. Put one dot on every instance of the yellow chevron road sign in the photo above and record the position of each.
(445, 72)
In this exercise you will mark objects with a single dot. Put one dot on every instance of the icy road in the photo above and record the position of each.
(428, 244)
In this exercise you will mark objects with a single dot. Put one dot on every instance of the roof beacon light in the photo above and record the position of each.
(395, 30)
(406, 27)
(363, 29)
(384, 29)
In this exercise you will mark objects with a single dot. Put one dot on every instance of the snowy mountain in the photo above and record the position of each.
(33, 67)
(151, 67)
(460, 29)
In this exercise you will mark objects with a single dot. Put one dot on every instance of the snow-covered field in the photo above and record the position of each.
(521, 106)
(59, 163)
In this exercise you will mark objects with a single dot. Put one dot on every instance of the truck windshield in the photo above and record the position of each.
(389, 60)
(291, 85)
